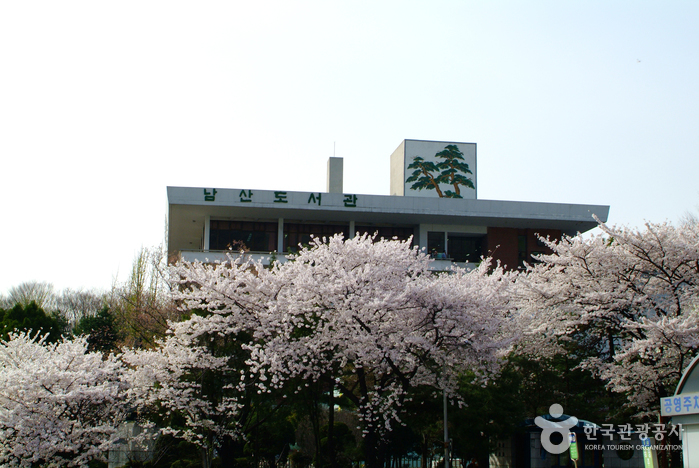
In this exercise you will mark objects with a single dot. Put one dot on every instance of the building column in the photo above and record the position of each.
(280, 236)
(422, 238)
(207, 232)
(352, 230)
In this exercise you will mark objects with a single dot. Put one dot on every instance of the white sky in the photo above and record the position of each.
(104, 104)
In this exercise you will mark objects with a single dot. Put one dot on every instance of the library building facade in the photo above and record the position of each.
(433, 202)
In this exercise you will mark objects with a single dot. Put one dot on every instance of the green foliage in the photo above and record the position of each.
(101, 329)
(494, 411)
(269, 439)
(488, 413)
(142, 305)
(525, 388)
(31, 318)
(346, 449)
(268, 434)
(424, 430)
(300, 459)
(95, 463)
(559, 379)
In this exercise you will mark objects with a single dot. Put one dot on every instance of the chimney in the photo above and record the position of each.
(334, 175)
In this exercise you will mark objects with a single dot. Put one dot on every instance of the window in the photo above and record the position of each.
(239, 235)
(435, 243)
(465, 248)
(297, 233)
(521, 250)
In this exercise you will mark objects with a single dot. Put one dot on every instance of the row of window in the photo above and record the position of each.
(262, 236)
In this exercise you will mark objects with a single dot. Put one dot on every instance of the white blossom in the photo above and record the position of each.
(633, 292)
(59, 404)
(361, 313)
(168, 380)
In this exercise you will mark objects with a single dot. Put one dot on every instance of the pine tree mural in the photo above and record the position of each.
(451, 170)
(422, 175)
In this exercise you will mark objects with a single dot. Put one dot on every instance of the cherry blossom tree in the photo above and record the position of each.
(366, 316)
(59, 404)
(633, 294)
(185, 388)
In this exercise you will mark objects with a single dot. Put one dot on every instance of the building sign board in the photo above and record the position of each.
(232, 197)
(677, 405)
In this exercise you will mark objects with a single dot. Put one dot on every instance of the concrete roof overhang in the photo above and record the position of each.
(188, 209)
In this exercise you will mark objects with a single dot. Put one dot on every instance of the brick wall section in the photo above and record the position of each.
(503, 244)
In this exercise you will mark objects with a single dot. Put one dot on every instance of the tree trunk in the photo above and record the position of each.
(331, 425)
(205, 455)
(371, 458)
(314, 410)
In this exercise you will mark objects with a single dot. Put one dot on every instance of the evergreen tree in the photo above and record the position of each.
(31, 318)
(101, 331)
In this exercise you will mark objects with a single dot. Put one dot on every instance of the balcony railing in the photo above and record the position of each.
(220, 256)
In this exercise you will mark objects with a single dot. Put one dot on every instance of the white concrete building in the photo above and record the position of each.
(434, 200)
